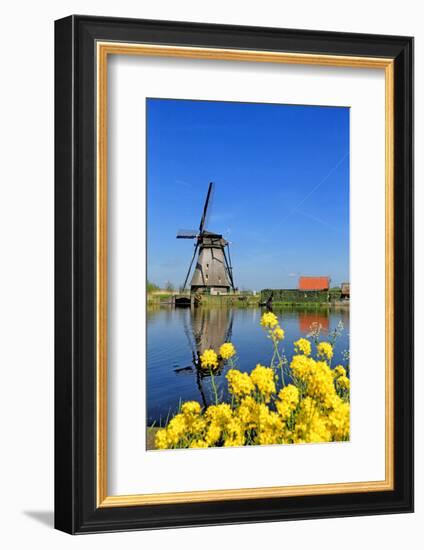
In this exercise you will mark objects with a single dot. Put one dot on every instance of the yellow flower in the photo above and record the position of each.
(209, 359)
(247, 412)
(198, 444)
(269, 320)
(269, 426)
(290, 394)
(311, 426)
(226, 351)
(316, 376)
(194, 422)
(191, 407)
(325, 349)
(213, 433)
(176, 429)
(320, 383)
(161, 440)
(239, 383)
(263, 378)
(318, 430)
(302, 346)
(302, 366)
(278, 333)
(288, 398)
(339, 371)
(220, 414)
(343, 382)
(338, 420)
(234, 433)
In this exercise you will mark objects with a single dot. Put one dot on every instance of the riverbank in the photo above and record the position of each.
(150, 438)
(240, 301)
(228, 300)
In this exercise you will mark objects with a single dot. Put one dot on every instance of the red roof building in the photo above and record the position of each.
(314, 283)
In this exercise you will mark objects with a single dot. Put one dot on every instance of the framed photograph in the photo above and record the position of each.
(234, 274)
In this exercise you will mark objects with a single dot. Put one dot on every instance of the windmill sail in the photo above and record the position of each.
(186, 234)
(205, 208)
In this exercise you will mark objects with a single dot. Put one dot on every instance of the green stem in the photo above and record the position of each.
(214, 387)
(273, 357)
(283, 383)
(280, 363)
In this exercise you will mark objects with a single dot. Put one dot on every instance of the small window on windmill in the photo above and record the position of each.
(207, 266)
(206, 276)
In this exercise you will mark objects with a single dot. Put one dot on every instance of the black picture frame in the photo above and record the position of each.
(76, 510)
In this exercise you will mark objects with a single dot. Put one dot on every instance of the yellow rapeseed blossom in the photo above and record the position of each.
(161, 439)
(195, 423)
(343, 382)
(191, 407)
(269, 320)
(301, 366)
(316, 377)
(302, 346)
(290, 394)
(220, 414)
(311, 426)
(318, 430)
(234, 433)
(325, 349)
(247, 412)
(239, 383)
(338, 420)
(198, 444)
(227, 350)
(287, 401)
(339, 371)
(209, 359)
(278, 333)
(270, 426)
(320, 384)
(213, 434)
(264, 380)
(176, 429)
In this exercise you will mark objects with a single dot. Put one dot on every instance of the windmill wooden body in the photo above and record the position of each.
(213, 272)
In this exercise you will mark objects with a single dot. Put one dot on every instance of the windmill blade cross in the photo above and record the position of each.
(205, 208)
(191, 263)
(229, 266)
(186, 234)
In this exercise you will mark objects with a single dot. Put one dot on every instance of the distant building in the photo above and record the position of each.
(345, 290)
(314, 283)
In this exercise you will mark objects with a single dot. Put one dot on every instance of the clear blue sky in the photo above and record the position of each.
(281, 176)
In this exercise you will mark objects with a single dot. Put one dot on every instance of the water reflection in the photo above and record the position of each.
(205, 328)
(176, 338)
(211, 327)
(308, 319)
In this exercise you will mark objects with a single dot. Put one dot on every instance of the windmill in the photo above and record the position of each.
(213, 272)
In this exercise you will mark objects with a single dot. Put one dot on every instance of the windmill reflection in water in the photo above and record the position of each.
(210, 328)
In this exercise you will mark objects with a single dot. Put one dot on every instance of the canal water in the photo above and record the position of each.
(175, 336)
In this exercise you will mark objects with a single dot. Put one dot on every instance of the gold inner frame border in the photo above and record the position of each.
(103, 50)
